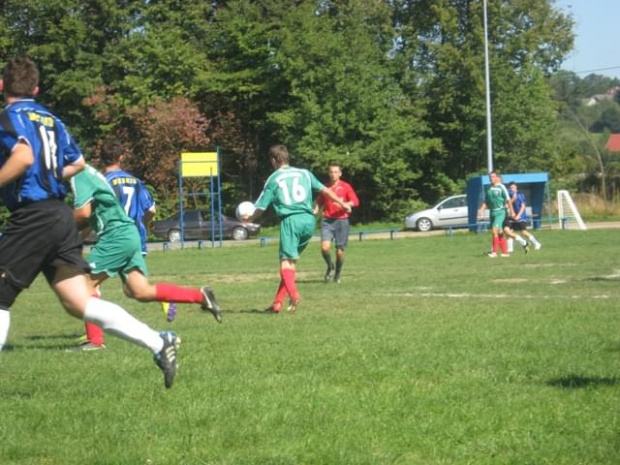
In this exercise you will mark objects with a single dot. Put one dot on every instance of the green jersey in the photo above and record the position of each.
(289, 190)
(496, 197)
(90, 186)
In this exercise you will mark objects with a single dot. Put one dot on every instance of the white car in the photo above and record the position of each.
(449, 213)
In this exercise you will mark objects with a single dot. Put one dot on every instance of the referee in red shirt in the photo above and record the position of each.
(335, 225)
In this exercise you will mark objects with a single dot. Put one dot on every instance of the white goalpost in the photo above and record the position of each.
(567, 211)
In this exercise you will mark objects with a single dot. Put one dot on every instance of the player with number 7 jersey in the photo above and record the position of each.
(290, 190)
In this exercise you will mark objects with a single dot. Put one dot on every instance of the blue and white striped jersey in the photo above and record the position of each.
(53, 149)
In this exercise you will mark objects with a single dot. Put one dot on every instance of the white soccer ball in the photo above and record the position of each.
(245, 209)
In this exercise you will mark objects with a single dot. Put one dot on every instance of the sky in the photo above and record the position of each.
(597, 37)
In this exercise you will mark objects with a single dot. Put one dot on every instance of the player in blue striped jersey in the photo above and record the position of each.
(36, 155)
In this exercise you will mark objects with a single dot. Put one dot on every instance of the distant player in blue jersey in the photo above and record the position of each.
(37, 154)
(519, 222)
(129, 190)
(133, 196)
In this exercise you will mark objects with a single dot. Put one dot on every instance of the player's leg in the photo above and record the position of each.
(498, 224)
(8, 294)
(28, 238)
(342, 241)
(137, 286)
(517, 227)
(66, 271)
(327, 235)
(295, 234)
(95, 336)
(74, 293)
(508, 234)
(530, 237)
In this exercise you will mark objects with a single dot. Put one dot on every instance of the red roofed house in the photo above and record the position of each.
(613, 144)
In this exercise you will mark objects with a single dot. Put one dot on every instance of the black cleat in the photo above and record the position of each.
(166, 359)
(209, 303)
(526, 248)
(328, 273)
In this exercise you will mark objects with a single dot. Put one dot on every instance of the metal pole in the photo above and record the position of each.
(488, 91)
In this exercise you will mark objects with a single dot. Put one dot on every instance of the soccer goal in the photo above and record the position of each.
(567, 211)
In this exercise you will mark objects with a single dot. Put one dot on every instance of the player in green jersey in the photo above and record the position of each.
(118, 252)
(497, 200)
(289, 190)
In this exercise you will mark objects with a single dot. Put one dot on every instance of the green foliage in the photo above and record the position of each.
(392, 90)
(413, 359)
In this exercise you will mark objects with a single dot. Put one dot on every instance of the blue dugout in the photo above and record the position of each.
(533, 185)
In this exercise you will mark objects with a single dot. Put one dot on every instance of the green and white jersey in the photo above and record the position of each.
(90, 186)
(496, 197)
(289, 190)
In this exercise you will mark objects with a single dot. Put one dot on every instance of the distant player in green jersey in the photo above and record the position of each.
(118, 251)
(289, 190)
(497, 200)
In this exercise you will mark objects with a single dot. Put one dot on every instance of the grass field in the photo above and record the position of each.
(427, 353)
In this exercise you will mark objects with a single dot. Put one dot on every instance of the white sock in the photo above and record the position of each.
(520, 240)
(509, 245)
(533, 240)
(115, 320)
(5, 324)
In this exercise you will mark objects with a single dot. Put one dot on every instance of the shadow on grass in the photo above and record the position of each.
(577, 381)
(38, 337)
(601, 279)
(255, 311)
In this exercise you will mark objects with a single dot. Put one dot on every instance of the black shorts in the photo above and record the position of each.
(337, 229)
(39, 237)
(518, 225)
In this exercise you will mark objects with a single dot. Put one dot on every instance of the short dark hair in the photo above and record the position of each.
(336, 164)
(21, 77)
(111, 152)
(279, 153)
(512, 183)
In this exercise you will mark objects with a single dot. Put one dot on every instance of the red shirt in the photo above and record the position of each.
(332, 210)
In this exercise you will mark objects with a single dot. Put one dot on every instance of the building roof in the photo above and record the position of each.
(613, 144)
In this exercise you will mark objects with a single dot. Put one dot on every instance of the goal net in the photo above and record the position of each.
(568, 214)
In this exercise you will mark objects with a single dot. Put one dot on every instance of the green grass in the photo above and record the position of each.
(427, 353)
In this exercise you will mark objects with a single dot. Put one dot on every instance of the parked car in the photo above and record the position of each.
(197, 226)
(451, 212)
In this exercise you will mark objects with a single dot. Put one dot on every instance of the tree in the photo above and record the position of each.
(527, 39)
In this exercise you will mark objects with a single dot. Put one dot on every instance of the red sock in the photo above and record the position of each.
(495, 244)
(281, 294)
(288, 276)
(166, 292)
(502, 244)
(94, 333)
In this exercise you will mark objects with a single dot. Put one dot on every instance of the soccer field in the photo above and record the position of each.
(428, 352)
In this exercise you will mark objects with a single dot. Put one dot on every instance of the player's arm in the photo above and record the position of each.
(521, 210)
(17, 164)
(353, 200)
(510, 209)
(81, 216)
(148, 215)
(481, 210)
(329, 193)
(74, 168)
(254, 217)
(319, 205)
